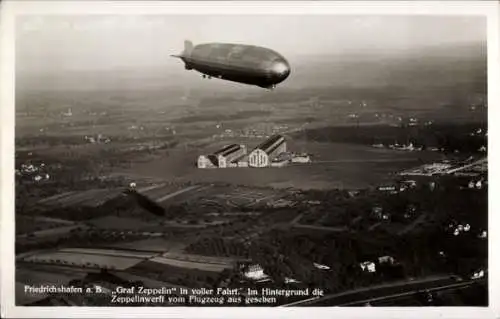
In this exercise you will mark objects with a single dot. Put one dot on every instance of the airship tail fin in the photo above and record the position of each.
(188, 48)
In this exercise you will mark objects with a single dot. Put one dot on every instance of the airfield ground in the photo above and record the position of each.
(334, 166)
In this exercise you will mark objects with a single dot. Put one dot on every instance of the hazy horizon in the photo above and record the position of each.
(61, 43)
(133, 52)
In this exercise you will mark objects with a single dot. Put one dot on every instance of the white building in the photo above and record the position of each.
(263, 154)
(386, 260)
(320, 266)
(303, 158)
(368, 266)
(291, 280)
(255, 272)
(477, 274)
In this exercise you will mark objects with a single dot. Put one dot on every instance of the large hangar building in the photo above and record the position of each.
(263, 154)
(222, 158)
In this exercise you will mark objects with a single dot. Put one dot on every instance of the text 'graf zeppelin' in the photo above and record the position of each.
(178, 296)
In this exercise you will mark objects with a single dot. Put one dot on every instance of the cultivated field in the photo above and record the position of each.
(170, 273)
(39, 277)
(109, 252)
(89, 198)
(243, 196)
(84, 260)
(50, 232)
(191, 264)
(29, 224)
(122, 223)
(165, 194)
(153, 244)
(226, 261)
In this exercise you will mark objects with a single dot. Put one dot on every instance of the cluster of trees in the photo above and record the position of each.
(49, 140)
(147, 203)
(217, 246)
(26, 224)
(448, 136)
(76, 238)
(434, 249)
(286, 255)
(80, 213)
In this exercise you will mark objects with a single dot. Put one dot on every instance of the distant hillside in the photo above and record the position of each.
(462, 67)
(444, 71)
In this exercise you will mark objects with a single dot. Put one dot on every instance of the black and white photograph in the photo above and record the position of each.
(241, 159)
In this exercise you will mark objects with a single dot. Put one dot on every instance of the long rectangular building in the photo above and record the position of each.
(223, 157)
(229, 154)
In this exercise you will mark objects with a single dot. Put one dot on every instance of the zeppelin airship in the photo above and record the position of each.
(240, 63)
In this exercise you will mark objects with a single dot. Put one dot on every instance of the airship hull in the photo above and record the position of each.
(238, 63)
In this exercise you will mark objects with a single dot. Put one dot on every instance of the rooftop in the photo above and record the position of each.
(227, 149)
(266, 144)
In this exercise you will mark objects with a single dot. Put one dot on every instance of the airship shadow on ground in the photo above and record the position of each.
(247, 64)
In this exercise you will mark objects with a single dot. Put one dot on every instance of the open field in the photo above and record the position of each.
(180, 263)
(247, 196)
(153, 244)
(338, 166)
(165, 194)
(226, 261)
(39, 277)
(81, 259)
(137, 225)
(109, 252)
(122, 223)
(166, 271)
(50, 231)
(29, 224)
(90, 198)
(160, 191)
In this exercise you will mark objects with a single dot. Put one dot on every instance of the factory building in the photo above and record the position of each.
(223, 158)
(263, 154)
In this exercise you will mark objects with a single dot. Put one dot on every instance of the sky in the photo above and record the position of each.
(51, 43)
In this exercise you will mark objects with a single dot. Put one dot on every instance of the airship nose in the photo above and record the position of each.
(280, 69)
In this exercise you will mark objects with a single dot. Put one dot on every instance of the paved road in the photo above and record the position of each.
(360, 294)
(296, 219)
(455, 286)
(325, 228)
(187, 189)
(151, 187)
(378, 160)
(54, 220)
(461, 168)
